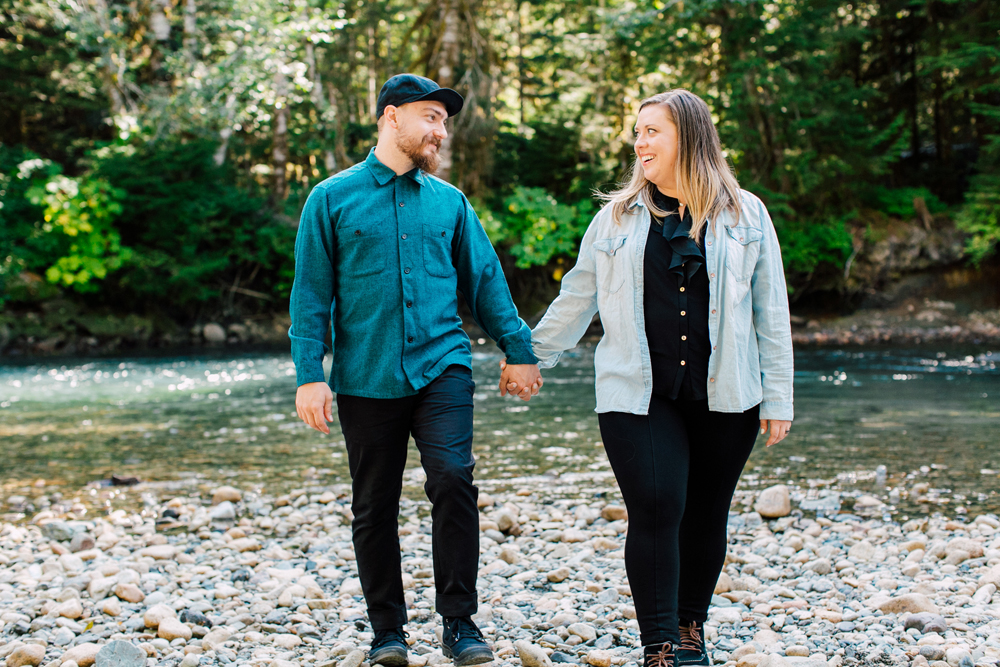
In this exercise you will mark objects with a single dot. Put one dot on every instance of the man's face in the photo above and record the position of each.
(420, 131)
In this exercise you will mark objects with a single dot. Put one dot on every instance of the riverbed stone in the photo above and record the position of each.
(120, 653)
(170, 629)
(26, 654)
(129, 593)
(83, 655)
(532, 655)
(214, 333)
(156, 615)
(911, 602)
(774, 502)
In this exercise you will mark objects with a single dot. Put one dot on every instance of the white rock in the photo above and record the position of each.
(774, 502)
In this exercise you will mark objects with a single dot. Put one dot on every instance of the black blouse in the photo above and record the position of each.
(675, 303)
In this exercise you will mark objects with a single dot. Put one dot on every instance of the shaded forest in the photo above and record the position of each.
(155, 154)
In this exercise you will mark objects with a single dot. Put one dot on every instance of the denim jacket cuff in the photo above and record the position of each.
(779, 410)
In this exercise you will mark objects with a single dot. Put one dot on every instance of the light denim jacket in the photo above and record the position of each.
(748, 322)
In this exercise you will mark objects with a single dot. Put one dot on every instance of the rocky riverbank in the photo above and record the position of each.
(233, 577)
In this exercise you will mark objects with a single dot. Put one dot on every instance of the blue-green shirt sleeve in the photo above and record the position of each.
(482, 283)
(311, 304)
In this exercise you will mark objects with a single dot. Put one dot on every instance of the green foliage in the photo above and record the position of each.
(809, 245)
(898, 202)
(193, 232)
(535, 228)
(82, 209)
(980, 217)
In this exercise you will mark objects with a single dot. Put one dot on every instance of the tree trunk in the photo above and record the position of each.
(279, 153)
(442, 70)
(220, 153)
(190, 29)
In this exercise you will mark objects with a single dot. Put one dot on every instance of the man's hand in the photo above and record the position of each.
(779, 429)
(314, 403)
(521, 380)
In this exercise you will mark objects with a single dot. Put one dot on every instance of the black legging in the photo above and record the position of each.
(677, 468)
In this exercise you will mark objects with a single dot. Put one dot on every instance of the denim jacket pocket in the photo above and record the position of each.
(437, 251)
(611, 266)
(742, 251)
(362, 250)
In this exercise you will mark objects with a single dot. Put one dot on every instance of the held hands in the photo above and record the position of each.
(521, 380)
(779, 429)
(314, 403)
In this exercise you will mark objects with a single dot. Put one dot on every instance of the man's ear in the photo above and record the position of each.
(390, 113)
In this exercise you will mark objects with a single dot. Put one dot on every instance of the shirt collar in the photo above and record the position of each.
(383, 174)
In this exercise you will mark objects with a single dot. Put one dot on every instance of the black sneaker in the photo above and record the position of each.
(463, 643)
(389, 648)
(692, 650)
(659, 655)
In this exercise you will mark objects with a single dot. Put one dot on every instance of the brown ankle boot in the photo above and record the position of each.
(692, 649)
(659, 655)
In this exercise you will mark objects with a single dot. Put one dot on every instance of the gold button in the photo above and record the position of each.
(683, 313)
(684, 337)
(709, 243)
(682, 289)
(683, 363)
(713, 275)
(712, 380)
(713, 311)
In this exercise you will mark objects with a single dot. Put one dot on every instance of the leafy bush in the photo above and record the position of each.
(898, 202)
(535, 228)
(195, 235)
(980, 216)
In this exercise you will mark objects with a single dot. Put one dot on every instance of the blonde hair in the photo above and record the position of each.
(705, 182)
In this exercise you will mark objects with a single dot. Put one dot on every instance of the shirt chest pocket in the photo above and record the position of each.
(437, 251)
(362, 250)
(742, 251)
(609, 258)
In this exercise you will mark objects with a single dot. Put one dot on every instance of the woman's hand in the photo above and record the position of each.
(779, 429)
(528, 375)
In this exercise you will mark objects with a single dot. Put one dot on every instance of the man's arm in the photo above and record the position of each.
(311, 309)
(482, 283)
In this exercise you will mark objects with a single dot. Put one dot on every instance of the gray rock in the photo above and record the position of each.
(81, 542)
(57, 531)
(926, 622)
(604, 642)
(195, 617)
(224, 511)
(214, 333)
(932, 653)
(120, 654)
(559, 656)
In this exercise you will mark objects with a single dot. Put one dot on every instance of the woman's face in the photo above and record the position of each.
(656, 146)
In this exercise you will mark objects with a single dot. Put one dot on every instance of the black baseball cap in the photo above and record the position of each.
(405, 88)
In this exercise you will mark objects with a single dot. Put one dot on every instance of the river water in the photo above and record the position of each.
(929, 416)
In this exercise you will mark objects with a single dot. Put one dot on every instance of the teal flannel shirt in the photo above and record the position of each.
(382, 256)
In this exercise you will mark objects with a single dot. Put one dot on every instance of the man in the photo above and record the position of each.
(382, 248)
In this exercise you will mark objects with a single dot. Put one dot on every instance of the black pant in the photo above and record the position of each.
(377, 431)
(677, 468)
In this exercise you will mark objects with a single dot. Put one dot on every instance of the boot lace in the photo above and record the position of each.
(663, 658)
(691, 639)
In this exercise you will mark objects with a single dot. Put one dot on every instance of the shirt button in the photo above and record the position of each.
(713, 311)
(400, 204)
(683, 363)
(711, 380)
(713, 275)
(409, 339)
(684, 337)
(409, 304)
(406, 270)
(709, 243)
(713, 347)
(404, 237)
(683, 313)
(682, 289)
(357, 232)
(444, 233)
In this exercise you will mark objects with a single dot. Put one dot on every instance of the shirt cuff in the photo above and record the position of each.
(779, 410)
(517, 347)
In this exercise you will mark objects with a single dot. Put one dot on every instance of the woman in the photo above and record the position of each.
(685, 271)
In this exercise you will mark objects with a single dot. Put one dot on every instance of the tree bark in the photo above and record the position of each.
(279, 152)
(442, 70)
(190, 29)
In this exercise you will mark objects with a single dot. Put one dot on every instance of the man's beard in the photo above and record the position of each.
(412, 147)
